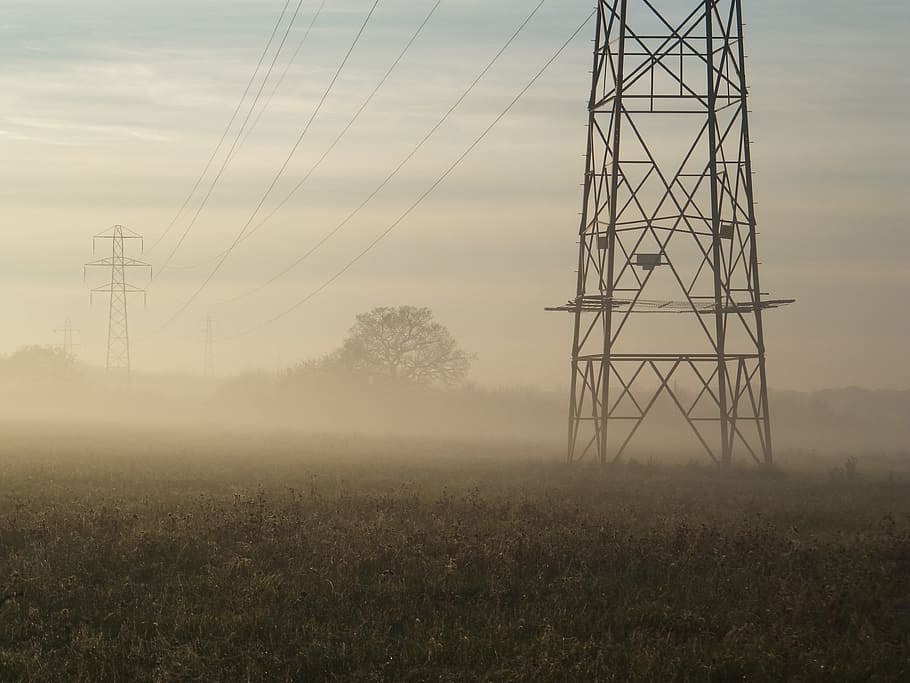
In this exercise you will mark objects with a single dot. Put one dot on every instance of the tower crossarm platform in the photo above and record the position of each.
(597, 304)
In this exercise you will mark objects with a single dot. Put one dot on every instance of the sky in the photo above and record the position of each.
(110, 110)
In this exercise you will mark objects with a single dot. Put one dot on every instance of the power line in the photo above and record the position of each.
(231, 151)
(224, 135)
(284, 73)
(244, 135)
(331, 147)
(284, 166)
(391, 176)
(325, 285)
(265, 106)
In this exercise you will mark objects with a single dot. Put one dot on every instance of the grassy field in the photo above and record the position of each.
(134, 557)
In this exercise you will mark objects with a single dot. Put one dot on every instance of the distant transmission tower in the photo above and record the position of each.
(69, 334)
(118, 334)
(208, 367)
(668, 283)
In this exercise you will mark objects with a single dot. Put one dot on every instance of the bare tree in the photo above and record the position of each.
(404, 344)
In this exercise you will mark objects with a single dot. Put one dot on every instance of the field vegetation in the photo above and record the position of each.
(140, 556)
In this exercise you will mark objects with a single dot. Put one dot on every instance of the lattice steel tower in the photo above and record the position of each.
(118, 333)
(668, 290)
(69, 334)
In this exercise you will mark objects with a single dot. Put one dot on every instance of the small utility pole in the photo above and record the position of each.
(208, 363)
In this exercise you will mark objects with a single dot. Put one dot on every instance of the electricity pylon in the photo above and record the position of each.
(208, 362)
(118, 334)
(69, 334)
(668, 273)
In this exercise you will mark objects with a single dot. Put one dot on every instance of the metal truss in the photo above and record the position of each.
(669, 211)
(118, 289)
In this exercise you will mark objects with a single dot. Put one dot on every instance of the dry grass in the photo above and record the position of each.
(237, 559)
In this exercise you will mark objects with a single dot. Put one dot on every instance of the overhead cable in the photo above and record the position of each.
(227, 129)
(391, 176)
(335, 142)
(385, 233)
(284, 73)
(230, 154)
(281, 170)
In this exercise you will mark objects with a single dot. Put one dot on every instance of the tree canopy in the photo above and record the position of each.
(404, 344)
(38, 364)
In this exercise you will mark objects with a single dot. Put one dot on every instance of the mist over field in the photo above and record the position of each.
(364, 516)
(826, 426)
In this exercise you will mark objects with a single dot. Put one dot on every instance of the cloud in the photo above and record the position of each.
(92, 131)
(112, 108)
